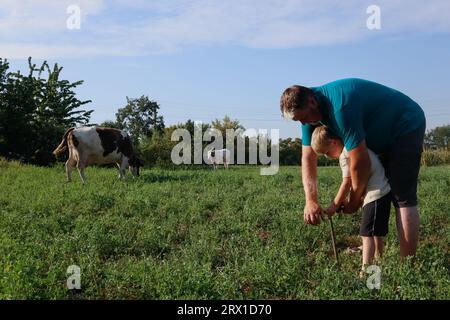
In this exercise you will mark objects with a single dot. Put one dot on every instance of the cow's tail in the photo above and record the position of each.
(63, 145)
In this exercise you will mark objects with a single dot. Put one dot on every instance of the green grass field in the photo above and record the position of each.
(201, 234)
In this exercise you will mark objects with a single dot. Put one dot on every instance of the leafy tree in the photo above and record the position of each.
(290, 151)
(35, 111)
(225, 124)
(140, 117)
(110, 124)
(57, 108)
(191, 126)
(17, 108)
(438, 138)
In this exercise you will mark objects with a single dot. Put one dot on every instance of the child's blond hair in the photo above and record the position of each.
(321, 137)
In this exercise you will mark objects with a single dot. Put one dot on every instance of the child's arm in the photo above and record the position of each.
(344, 189)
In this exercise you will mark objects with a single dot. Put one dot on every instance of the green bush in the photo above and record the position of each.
(156, 150)
(5, 163)
(435, 157)
(323, 161)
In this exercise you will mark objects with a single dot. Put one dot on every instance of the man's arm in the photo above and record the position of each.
(360, 173)
(312, 210)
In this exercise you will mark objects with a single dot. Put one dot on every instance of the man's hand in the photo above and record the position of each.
(312, 213)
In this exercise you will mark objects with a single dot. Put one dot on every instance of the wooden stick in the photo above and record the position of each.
(333, 239)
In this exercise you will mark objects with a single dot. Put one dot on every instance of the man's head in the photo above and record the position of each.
(323, 141)
(299, 104)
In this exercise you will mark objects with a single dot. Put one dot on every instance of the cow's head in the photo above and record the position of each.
(135, 163)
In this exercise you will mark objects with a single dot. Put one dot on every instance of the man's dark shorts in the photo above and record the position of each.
(402, 164)
(375, 219)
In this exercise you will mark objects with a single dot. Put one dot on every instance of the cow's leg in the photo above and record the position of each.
(80, 167)
(69, 166)
(225, 164)
(121, 171)
(123, 168)
(118, 167)
(82, 175)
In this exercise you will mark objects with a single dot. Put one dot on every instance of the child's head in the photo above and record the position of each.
(323, 141)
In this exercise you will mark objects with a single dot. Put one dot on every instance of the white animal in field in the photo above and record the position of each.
(98, 145)
(221, 156)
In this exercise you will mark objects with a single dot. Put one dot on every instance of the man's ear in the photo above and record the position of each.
(312, 101)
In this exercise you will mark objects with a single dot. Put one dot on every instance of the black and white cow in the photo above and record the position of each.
(98, 145)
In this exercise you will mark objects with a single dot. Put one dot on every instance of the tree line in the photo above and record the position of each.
(36, 109)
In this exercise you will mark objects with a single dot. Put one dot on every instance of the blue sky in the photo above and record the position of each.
(203, 59)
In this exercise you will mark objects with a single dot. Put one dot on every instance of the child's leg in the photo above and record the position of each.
(374, 226)
(368, 251)
(378, 247)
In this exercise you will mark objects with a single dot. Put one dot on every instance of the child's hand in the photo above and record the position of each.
(341, 208)
(331, 210)
(346, 210)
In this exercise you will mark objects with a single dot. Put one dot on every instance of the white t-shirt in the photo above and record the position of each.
(378, 185)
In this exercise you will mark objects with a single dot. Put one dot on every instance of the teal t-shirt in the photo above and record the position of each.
(357, 109)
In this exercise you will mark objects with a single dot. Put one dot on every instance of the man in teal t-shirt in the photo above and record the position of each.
(363, 114)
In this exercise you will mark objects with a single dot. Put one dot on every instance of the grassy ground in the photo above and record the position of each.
(201, 235)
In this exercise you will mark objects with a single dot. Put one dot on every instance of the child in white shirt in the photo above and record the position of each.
(377, 199)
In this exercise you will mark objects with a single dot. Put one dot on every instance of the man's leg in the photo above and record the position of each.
(408, 222)
(402, 172)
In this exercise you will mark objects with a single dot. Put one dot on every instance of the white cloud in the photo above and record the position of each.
(120, 27)
(34, 18)
(48, 51)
